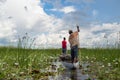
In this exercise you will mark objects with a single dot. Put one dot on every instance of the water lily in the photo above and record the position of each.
(91, 61)
(51, 57)
(103, 66)
(29, 64)
(13, 74)
(87, 57)
(113, 60)
(109, 64)
(3, 69)
(21, 72)
(116, 62)
(25, 59)
(16, 64)
(4, 63)
(94, 58)
(32, 60)
(105, 58)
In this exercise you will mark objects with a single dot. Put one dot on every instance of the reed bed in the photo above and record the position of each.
(30, 64)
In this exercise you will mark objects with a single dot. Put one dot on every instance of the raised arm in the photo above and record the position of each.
(78, 29)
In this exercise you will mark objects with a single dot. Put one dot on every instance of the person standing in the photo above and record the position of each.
(74, 43)
(64, 46)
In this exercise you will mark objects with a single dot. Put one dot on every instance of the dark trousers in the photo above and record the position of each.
(64, 50)
(74, 52)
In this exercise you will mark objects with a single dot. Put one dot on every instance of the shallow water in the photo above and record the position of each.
(70, 74)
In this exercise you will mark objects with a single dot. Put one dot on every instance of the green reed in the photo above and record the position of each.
(104, 63)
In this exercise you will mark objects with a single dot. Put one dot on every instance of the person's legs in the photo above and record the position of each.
(75, 53)
(64, 50)
(72, 55)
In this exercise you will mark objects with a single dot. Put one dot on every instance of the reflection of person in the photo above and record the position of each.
(74, 43)
(64, 46)
(73, 75)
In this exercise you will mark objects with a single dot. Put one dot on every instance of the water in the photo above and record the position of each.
(70, 74)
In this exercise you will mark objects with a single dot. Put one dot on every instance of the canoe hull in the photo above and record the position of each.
(66, 61)
(71, 65)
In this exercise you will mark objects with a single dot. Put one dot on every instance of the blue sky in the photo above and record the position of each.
(101, 10)
(109, 10)
(49, 21)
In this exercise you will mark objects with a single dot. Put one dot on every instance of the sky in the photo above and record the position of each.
(46, 22)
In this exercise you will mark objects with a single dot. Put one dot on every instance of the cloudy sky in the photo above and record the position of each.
(48, 21)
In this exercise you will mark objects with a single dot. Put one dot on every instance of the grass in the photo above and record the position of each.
(17, 63)
(104, 63)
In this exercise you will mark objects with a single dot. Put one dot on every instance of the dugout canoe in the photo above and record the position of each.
(66, 61)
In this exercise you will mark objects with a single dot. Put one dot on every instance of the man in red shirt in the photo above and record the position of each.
(64, 46)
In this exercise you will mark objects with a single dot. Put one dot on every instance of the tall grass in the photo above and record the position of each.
(15, 62)
(20, 63)
(104, 63)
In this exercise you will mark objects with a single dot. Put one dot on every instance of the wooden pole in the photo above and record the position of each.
(79, 42)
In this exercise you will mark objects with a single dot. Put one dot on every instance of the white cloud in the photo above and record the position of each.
(94, 36)
(51, 40)
(24, 11)
(80, 1)
(110, 27)
(7, 29)
(20, 16)
(68, 9)
(54, 9)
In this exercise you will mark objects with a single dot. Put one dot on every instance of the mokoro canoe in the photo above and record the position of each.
(71, 65)
(66, 61)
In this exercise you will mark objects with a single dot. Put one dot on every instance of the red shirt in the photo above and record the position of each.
(64, 44)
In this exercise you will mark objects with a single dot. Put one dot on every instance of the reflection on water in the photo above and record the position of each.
(74, 75)
(69, 74)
